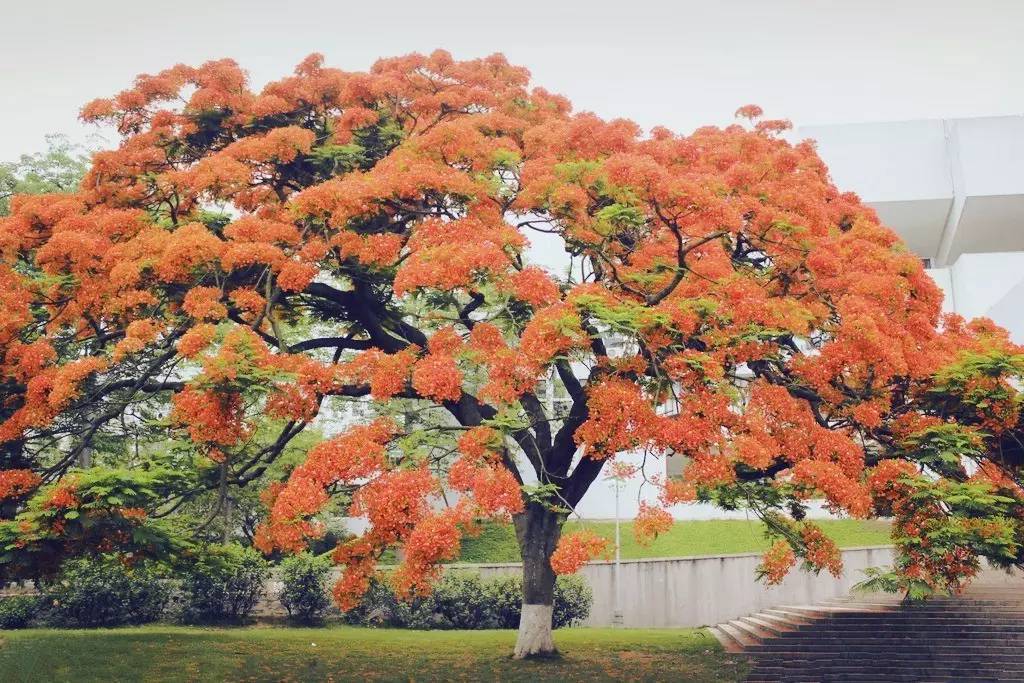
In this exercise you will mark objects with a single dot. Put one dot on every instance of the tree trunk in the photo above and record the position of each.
(537, 530)
(12, 457)
(85, 458)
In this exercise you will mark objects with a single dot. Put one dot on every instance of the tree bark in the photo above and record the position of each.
(12, 457)
(537, 530)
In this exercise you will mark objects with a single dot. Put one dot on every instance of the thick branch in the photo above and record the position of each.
(539, 418)
(332, 343)
(112, 412)
(582, 477)
(683, 249)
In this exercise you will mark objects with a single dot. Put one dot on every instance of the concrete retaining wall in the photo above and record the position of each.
(689, 591)
(699, 591)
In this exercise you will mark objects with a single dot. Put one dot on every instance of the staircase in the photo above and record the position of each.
(978, 636)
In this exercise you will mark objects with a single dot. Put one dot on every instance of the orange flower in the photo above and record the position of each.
(576, 549)
(196, 339)
(203, 303)
(14, 483)
(650, 522)
(438, 377)
(134, 514)
(62, 496)
(776, 563)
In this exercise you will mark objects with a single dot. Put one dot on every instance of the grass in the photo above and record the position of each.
(342, 653)
(497, 543)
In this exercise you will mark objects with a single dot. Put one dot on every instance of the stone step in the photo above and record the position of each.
(912, 645)
(821, 611)
(820, 666)
(911, 626)
(727, 642)
(1009, 600)
(826, 675)
(863, 605)
(858, 648)
(910, 631)
(916, 609)
(916, 632)
(769, 625)
(827, 671)
(862, 648)
(789, 614)
(889, 658)
(818, 669)
(976, 637)
(924, 607)
(880, 598)
(909, 617)
(739, 635)
(791, 623)
(837, 665)
(753, 630)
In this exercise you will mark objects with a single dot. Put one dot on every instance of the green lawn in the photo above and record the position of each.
(715, 537)
(169, 653)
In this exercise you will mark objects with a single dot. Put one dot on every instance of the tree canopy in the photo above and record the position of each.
(247, 262)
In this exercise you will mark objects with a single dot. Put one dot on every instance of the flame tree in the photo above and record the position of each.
(249, 258)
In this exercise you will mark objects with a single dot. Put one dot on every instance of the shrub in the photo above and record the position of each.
(381, 608)
(573, 600)
(18, 610)
(463, 600)
(459, 601)
(304, 590)
(223, 585)
(105, 591)
(378, 607)
(504, 594)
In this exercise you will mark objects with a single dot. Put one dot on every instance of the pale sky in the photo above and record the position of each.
(681, 64)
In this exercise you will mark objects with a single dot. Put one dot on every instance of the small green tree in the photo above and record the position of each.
(106, 591)
(304, 591)
(58, 169)
(223, 585)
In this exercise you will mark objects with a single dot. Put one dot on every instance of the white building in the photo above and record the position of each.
(954, 191)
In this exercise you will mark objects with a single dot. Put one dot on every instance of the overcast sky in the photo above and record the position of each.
(680, 64)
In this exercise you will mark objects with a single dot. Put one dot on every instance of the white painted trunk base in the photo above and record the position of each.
(534, 632)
